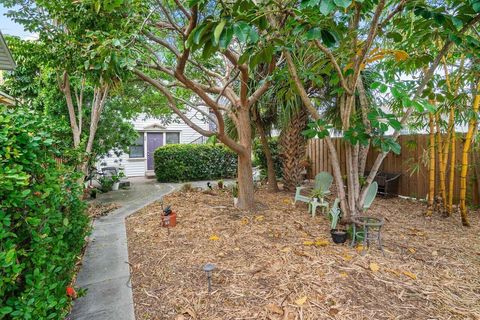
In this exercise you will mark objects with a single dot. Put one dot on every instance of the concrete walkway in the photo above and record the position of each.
(105, 271)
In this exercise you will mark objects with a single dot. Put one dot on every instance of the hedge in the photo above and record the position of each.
(261, 160)
(190, 162)
(42, 220)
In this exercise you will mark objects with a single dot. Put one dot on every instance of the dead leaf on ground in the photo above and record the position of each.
(214, 237)
(301, 301)
(333, 311)
(410, 275)
(275, 309)
(374, 266)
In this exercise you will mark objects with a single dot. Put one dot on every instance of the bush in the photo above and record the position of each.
(190, 162)
(261, 160)
(42, 220)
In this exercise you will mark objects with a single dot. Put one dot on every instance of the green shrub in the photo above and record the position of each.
(261, 160)
(42, 220)
(190, 162)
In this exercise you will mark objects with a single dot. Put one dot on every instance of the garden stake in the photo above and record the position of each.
(208, 268)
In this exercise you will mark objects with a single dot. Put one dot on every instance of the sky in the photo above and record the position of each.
(7, 26)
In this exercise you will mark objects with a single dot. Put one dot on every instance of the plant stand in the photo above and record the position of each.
(372, 231)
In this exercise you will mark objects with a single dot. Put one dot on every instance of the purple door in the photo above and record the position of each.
(154, 140)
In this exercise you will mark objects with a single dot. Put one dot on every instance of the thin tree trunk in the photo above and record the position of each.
(271, 174)
(451, 180)
(431, 167)
(466, 149)
(442, 162)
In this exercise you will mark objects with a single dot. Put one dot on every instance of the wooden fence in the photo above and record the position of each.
(411, 163)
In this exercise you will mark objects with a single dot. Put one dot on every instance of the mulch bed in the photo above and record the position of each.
(280, 263)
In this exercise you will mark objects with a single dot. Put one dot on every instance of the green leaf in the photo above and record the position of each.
(343, 3)
(328, 38)
(218, 30)
(375, 85)
(395, 36)
(326, 7)
(241, 30)
(314, 33)
(476, 6)
(65, 221)
(226, 37)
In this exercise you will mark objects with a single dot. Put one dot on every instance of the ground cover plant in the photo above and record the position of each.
(42, 220)
(280, 263)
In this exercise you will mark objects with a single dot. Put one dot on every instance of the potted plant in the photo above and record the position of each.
(116, 180)
(220, 184)
(235, 195)
(318, 194)
(339, 235)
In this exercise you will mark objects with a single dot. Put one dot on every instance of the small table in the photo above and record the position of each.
(372, 228)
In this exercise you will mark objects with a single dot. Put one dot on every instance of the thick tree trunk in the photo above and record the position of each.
(293, 145)
(245, 174)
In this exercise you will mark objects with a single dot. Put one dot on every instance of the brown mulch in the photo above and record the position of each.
(279, 263)
(96, 210)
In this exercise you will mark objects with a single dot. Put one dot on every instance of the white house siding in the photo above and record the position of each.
(144, 124)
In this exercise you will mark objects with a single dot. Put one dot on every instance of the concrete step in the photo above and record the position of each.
(150, 174)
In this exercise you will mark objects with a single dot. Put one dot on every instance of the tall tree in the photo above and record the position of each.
(218, 78)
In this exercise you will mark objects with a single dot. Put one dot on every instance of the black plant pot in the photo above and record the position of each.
(338, 235)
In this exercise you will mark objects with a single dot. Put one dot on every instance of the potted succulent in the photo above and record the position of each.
(235, 195)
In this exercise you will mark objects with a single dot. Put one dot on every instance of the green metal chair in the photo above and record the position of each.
(366, 223)
(323, 182)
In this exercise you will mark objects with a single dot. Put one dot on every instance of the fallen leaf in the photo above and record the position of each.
(321, 243)
(395, 272)
(308, 243)
(214, 237)
(286, 249)
(359, 248)
(343, 274)
(287, 201)
(410, 275)
(333, 311)
(275, 309)
(347, 257)
(412, 250)
(244, 221)
(301, 301)
(259, 218)
(374, 267)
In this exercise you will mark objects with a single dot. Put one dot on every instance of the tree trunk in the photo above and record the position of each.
(442, 163)
(245, 175)
(271, 174)
(466, 149)
(431, 166)
(293, 145)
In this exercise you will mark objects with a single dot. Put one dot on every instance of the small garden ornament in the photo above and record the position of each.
(208, 268)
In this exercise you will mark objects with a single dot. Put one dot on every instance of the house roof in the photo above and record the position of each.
(6, 59)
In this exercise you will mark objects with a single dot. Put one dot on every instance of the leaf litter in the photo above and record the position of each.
(284, 265)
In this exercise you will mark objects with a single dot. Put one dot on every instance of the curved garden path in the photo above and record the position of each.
(105, 272)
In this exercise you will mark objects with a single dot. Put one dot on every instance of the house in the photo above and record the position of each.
(153, 133)
(6, 63)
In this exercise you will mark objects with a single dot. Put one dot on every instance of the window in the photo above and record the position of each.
(172, 137)
(137, 150)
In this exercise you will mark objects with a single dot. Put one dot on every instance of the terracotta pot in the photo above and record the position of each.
(170, 220)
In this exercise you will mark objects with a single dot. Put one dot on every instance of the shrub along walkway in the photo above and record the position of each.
(105, 272)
